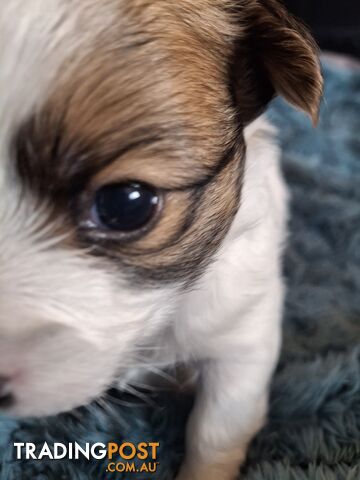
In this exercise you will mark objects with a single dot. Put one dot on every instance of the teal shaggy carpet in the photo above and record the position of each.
(313, 432)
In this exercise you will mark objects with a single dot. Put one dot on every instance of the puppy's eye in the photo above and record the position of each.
(124, 207)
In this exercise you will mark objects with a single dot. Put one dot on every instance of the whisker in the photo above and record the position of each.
(140, 396)
(145, 386)
(161, 373)
(120, 402)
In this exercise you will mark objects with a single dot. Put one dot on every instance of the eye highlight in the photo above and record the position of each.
(124, 207)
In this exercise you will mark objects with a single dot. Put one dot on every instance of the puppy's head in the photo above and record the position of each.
(121, 162)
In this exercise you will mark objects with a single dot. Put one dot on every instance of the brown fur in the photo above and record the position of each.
(163, 100)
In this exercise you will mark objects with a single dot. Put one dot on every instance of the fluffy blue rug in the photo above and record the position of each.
(313, 431)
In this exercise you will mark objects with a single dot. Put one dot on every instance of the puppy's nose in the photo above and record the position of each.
(7, 399)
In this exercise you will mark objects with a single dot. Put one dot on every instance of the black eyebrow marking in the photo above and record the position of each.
(214, 171)
(46, 162)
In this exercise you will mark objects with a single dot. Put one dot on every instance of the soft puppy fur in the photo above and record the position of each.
(157, 93)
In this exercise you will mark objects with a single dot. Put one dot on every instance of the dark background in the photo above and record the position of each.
(334, 23)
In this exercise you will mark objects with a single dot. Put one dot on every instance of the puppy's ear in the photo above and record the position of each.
(275, 55)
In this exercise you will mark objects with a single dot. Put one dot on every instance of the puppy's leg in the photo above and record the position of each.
(231, 407)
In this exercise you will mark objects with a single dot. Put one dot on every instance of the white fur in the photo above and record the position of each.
(70, 324)
(31, 36)
(232, 320)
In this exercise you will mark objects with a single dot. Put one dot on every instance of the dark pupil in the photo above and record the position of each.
(125, 207)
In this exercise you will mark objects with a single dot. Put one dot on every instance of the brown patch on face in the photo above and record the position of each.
(152, 100)
(147, 104)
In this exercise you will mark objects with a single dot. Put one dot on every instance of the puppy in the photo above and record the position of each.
(141, 223)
